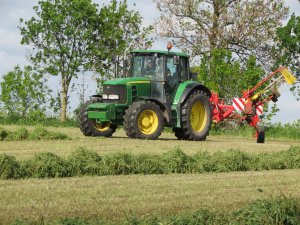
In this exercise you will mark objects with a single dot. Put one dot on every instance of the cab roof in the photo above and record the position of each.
(161, 52)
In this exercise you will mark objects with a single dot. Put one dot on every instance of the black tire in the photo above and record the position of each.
(260, 135)
(138, 117)
(179, 133)
(196, 116)
(90, 127)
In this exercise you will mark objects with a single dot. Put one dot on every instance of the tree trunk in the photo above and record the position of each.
(213, 39)
(64, 100)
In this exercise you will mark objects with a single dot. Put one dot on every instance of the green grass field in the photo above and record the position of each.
(117, 197)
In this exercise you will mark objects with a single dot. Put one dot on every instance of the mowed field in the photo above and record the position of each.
(120, 143)
(117, 197)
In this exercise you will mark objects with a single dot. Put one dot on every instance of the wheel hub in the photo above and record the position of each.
(103, 126)
(148, 122)
(198, 117)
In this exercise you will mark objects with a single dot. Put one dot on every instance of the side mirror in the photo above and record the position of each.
(194, 76)
(176, 60)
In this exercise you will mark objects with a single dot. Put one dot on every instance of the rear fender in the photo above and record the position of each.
(191, 88)
(182, 94)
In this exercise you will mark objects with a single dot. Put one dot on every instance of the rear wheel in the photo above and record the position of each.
(144, 120)
(90, 127)
(196, 117)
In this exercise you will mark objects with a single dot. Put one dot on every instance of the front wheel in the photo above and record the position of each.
(196, 117)
(90, 127)
(143, 120)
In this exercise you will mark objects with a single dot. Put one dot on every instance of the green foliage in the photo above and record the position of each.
(76, 221)
(9, 167)
(85, 162)
(120, 163)
(47, 165)
(231, 160)
(147, 163)
(176, 161)
(3, 133)
(70, 35)
(287, 50)
(49, 122)
(276, 211)
(231, 76)
(289, 130)
(24, 93)
(276, 131)
(18, 135)
(40, 133)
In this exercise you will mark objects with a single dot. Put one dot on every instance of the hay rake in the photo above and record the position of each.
(250, 106)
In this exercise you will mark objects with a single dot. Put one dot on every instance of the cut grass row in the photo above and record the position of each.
(39, 133)
(268, 212)
(115, 198)
(86, 162)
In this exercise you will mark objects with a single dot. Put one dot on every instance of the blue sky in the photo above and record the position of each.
(13, 53)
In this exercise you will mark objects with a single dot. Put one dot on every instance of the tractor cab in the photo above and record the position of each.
(165, 70)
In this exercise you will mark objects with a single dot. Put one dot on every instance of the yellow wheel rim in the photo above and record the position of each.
(198, 117)
(102, 126)
(148, 122)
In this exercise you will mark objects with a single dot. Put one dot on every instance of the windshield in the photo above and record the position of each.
(148, 66)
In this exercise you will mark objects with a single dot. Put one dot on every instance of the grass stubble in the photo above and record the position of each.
(117, 197)
(120, 143)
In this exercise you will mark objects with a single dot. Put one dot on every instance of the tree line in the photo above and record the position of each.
(233, 43)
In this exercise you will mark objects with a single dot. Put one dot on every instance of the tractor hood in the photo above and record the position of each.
(128, 80)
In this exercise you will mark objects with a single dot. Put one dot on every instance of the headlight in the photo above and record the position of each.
(104, 96)
(113, 97)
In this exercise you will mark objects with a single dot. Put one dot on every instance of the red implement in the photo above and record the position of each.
(250, 106)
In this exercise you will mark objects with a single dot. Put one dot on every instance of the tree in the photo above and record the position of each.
(241, 26)
(24, 93)
(72, 36)
(231, 75)
(287, 49)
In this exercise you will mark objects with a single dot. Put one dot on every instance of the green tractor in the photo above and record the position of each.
(158, 91)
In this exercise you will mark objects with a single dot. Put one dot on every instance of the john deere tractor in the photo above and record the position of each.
(157, 91)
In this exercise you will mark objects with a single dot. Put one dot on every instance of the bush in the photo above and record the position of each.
(47, 165)
(9, 167)
(84, 162)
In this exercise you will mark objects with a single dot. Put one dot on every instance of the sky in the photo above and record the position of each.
(13, 53)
